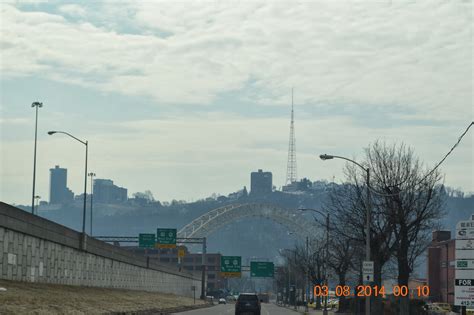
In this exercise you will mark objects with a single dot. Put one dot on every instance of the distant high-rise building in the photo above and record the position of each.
(106, 192)
(260, 182)
(58, 191)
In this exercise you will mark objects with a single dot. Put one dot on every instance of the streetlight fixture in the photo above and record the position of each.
(37, 105)
(325, 310)
(92, 186)
(85, 185)
(368, 211)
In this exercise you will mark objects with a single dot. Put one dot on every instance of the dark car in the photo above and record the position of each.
(247, 304)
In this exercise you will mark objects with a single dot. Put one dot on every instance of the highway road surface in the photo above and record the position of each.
(228, 309)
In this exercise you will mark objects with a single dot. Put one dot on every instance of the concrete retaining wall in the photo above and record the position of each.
(38, 250)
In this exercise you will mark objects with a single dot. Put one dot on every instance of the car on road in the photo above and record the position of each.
(433, 309)
(231, 298)
(443, 306)
(247, 304)
(222, 301)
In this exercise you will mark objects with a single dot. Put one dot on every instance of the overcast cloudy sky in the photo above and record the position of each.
(186, 98)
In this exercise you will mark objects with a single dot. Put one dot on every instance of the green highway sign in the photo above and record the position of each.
(231, 266)
(262, 269)
(146, 240)
(166, 238)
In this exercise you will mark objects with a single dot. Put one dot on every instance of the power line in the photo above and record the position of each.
(430, 172)
(447, 154)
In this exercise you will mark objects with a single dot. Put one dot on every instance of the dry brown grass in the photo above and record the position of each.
(40, 298)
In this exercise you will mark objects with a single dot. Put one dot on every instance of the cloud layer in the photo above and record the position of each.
(202, 88)
(415, 53)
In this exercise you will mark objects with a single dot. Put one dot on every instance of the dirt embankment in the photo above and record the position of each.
(38, 298)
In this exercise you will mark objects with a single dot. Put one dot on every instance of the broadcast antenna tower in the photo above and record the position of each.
(291, 175)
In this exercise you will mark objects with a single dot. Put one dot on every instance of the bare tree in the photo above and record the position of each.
(406, 205)
(411, 202)
(348, 206)
(293, 270)
(341, 253)
(306, 265)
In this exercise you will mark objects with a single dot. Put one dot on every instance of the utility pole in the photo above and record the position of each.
(83, 236)
(368, 213)
(92, 196)
(37, 105)
(203, 271)
(326, 262)
(289, 283)
(367, 236)
(296, 281)
(307, 273)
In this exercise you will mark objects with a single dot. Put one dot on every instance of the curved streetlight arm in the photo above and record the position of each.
(368, 214)
(70, 135)
(83, 238)
(328, 157)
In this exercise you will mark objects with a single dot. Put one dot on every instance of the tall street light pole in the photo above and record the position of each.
(368, 211)
(325, 311)
(92, 196)
(83, 243)
(37, 105)
(307, 275)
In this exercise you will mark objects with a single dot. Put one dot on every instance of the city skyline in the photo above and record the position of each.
(186, 105)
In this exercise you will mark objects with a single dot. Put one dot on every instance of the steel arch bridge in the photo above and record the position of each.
(215, 219)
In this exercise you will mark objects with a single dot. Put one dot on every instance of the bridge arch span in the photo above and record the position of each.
(215, 219)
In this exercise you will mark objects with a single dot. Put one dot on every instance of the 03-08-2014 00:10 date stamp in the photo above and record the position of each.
(368, 290)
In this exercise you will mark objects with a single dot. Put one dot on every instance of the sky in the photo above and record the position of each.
(186, 98)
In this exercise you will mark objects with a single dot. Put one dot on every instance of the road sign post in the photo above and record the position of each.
(166, 238)
(464, 279)
(262, 269)
(231, 266)
(181, 253)
(193, 288)
(146, 240)
(368, 271)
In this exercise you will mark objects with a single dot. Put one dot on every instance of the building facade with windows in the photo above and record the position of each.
(59, 193)
(106, 192)
(261, 183)
(441, 267)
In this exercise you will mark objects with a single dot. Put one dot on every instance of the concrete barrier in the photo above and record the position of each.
(38, 250)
